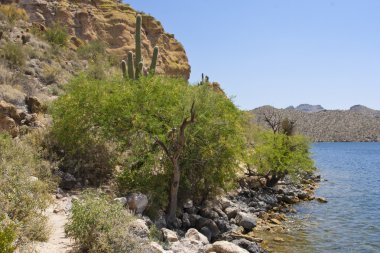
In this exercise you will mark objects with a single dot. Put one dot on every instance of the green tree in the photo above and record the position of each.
(167, 131)
(278, 155)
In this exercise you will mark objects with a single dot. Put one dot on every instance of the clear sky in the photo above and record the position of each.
(280, 52)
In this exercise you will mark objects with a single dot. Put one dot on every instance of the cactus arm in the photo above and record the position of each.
(131, 72)
(124, 68)
(138, 41)
(153, 64)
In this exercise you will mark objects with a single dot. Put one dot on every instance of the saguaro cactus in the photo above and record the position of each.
(134, 66)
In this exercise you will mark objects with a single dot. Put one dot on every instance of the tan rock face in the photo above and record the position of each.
(113, 23)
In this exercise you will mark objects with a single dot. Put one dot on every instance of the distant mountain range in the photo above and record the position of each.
(358, 124)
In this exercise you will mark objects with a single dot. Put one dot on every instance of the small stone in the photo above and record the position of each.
(275, 221)
(122, 200)
(188, 204)
(231, 212)
(321, 200)
(169, 235)
(137, 202)
(278, 239)
(193, 234)
(225, 247)
(247, 221)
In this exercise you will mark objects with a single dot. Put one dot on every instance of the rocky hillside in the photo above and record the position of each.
(34, 68)
(114, 23)
(359, 123)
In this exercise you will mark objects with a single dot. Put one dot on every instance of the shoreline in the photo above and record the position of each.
(240, 217)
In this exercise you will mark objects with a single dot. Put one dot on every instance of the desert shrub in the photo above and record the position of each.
(98, 224)
(15, 53)
(7, 235)
(92, 50)
(24, 187)
(278, 155)
(57, 35)
(13, 13)
(132, 114)
(50, 74)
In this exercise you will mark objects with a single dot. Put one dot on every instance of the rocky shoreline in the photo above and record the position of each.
(229, 223)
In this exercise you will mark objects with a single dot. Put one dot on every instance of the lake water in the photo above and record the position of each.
(350, 221)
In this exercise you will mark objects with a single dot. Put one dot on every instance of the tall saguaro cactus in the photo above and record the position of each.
(134, 66)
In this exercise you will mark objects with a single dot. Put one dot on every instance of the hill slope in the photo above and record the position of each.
(359, 123)
(33, 70)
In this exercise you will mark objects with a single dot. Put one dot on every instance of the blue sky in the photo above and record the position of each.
(280, 52)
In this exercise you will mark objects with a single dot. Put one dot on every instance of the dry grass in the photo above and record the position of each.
(13, 13)
(14, 53)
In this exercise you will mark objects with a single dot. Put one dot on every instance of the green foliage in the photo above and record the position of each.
(99, 225)
(25, 187)
(130, 114)
(7, 235)
(88, 154)
(278, 155)
(154, 233)
(57, 35)
(15, 53)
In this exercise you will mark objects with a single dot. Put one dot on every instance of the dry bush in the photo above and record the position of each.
(12, 94)
(14, 53)
(50, 74)
(100, 225)
(13, 13)
(25, 186)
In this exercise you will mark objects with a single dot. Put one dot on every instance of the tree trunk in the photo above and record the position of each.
(174, 193)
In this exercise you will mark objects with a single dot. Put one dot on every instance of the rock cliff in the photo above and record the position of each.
(114, 23)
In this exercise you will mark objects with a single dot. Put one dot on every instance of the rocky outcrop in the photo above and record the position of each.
(114, 23)
(359, 124)
(12, 118)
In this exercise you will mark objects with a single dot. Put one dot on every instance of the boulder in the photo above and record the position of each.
(187, 246)
(193, 218)
(11, 111)
(139, 228)
(224, 202)
(251, 247)
(224, 247)
(206, 232)
(8, 124)
(169, 235)
(160, 222)
(68, 181)
(247, 221)
(208, 212)
(155, 247)
(137, 202)
(210, 224)
(321, 200)
(33, 104)
(231, 212)
(193, 234)
(122, 200)
(186, 220)
(188, 204)
(220, 213)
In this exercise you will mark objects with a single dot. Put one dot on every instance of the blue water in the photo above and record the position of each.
(350, 221)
